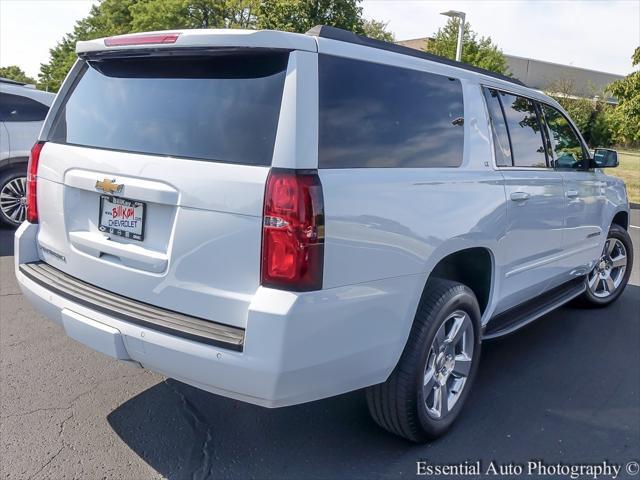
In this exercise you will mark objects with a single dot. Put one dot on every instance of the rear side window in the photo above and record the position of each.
(501, 143)
(374, 115)
(16, 108)
(222, 108)
(524, 130)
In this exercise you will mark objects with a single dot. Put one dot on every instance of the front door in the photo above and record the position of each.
(584, 194)
(535, 199)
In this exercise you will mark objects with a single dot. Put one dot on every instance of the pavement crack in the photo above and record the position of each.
(31, 412)
(198, 424)
(53, 457)
(70, 403)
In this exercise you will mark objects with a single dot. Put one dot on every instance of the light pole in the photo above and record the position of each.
(461, 16)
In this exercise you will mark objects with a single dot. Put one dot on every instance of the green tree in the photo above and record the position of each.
(13, 72)
(301, 15)
(625, 117)
(478, 51)
(590, 115)
(115, 17)
(377, 30)
(110, 17)
(179, 14)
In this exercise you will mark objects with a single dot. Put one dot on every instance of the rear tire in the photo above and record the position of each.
(608, 279)
(13, 192)
(437, 358)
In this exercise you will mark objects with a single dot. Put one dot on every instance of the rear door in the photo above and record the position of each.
(535, 198)
(151, 182)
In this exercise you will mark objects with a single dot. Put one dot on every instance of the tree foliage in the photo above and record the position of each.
(589, 115)
(625, 117)
(115, 17)
(13, 72)
(301, 15)
(478, 51)
(378, 30)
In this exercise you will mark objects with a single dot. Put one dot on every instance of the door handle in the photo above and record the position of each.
(520, 196)
(572, 193)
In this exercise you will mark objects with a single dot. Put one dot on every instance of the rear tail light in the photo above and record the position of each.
(32, 183)
(293, 231)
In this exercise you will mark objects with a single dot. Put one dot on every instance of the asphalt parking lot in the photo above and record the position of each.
(565, 389)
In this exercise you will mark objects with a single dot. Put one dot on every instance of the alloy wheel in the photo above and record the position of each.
(13, 199)
(448, 364)
(608, 274)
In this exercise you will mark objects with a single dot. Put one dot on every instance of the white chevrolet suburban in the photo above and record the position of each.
(279, 217)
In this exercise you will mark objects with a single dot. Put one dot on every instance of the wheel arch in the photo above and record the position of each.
(448, 265)
(621, 218)
(471, 266)
(13, 162)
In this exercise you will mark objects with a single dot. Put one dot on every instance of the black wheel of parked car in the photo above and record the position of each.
(609, 277)
(13, 196)
(427, 389)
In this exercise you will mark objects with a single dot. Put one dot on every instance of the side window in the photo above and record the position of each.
(565, 144)
(499, 131)
(374, 115)
(16, 108)
(524, 130)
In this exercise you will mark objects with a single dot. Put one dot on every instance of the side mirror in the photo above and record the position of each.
(604, 158)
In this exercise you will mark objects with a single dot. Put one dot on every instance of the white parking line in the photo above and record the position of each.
(634, 226)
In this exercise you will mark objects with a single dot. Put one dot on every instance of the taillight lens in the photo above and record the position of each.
(293, 231)
(32, 183)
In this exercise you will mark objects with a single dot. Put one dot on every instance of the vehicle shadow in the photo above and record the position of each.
(540, 393)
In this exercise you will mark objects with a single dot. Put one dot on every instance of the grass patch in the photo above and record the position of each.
(629, 171)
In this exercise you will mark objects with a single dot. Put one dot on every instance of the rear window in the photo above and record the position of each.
(222, 108)
(374, 115)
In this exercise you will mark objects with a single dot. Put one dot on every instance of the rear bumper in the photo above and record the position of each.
(132, 311)
(297, 347)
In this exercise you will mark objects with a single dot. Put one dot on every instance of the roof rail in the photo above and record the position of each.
(333, 33)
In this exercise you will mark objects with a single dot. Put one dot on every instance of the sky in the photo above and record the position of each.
(595, 34)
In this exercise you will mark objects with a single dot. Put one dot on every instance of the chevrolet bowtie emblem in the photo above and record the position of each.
(109, 186)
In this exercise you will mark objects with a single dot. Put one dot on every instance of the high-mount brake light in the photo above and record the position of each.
(151, 39)
(32, 183)
(293, 231)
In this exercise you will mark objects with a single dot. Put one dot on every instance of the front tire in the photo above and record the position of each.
(428, 388)
(608, 279)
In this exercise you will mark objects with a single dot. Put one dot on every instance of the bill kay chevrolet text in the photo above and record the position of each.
(279, 218)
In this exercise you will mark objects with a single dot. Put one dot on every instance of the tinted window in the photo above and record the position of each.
(222, 108)
(565, 144)
(16, 108)
(498, 129)
(524, 130)
(375, 115)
